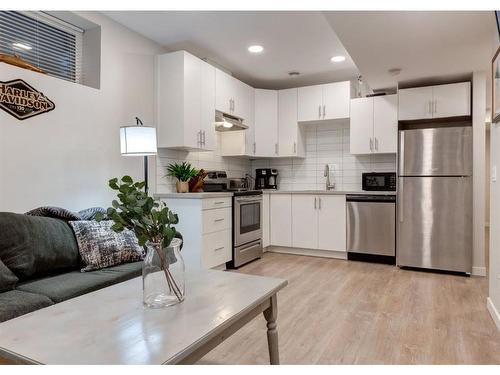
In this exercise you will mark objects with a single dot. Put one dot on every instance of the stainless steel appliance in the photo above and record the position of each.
(371, 228)
(434, 226)
(379, 181)
(266, 178)
(247, 227)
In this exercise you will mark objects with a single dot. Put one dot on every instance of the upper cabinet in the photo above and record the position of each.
(266, 123)
(234, 97)
(374, 125)
(439, 101)
(324, 102)
(290, 134)
(185, 102)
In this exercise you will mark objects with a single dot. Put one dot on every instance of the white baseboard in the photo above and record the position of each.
(495, 315)
(309, 252)
(479, 271)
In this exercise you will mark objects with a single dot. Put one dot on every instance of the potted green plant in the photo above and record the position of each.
(152, 222)
(183, 173)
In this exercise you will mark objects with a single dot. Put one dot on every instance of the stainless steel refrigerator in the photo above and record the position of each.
(434, 199)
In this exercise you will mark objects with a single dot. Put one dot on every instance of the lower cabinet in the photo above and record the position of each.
(280, 219)
(206, 227)
(308, 221)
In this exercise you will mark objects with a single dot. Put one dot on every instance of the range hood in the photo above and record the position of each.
(225, 122)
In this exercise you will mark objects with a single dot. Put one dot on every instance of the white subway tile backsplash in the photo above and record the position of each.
(326, 144)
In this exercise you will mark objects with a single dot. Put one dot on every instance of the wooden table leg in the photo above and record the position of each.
(271, 314)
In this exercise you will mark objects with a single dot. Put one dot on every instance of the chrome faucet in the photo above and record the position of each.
(329, 186)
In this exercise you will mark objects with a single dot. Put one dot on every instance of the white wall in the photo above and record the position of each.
(65, 157)
(326, 143)
(478, 179)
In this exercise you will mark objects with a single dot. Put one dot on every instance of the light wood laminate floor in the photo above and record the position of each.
(340, 312)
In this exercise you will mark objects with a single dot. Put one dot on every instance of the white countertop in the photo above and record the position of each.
(328, 192)
(193, 195)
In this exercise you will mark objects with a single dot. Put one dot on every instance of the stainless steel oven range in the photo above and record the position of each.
(247, 227)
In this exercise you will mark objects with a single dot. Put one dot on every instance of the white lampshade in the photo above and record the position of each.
(138, 140)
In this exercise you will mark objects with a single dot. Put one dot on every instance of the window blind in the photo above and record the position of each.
(43, 41)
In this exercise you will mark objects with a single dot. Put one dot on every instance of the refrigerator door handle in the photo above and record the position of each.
(401, 152)
(400, 201)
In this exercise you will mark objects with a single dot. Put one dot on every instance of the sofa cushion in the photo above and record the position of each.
(15, 303)
(32, 246)
(101, 247)
(7, 279)
(54, 212)
(73, 284)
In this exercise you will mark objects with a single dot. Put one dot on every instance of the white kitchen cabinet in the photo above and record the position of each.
(319, 222)
(185, 102)
(206, 226)
(361, 126)
(266, 241)
(336, 100)
(374, 125)
(304, 221)
(385, 124)
(324, 102)
(438, 101)
(225, 87)
(290, 134)
(234, 97)
(452, 100)
(332, 227)
(310, 103)
(266, 122)
(415, 103)
(280, 215)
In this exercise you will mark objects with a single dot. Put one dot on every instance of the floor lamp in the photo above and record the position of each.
(139, 140)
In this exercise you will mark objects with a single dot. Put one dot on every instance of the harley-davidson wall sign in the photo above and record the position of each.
(23, 101)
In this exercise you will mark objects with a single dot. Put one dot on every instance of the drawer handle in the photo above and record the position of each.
(218, 202)
(217, 220)
(219, 248)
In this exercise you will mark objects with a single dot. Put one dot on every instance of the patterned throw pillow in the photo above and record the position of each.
(55, 212)
(89, 213)
(101, 247)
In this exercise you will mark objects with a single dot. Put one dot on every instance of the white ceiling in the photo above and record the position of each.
(293, 41)
(422, 44)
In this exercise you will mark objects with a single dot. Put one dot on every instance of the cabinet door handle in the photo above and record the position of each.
(254, 148)
(204, 138)
(319, 111)
(219, 248)
(218, 220)
(294, 147)
(219, 202)
(435, 106)
(430, 107)
(198, 137)
(371, 144)
(324, 111)
(376, 144)
(314, 202)
(319, 203)
(276, 148)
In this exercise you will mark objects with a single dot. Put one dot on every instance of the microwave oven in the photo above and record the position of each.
(379, 181)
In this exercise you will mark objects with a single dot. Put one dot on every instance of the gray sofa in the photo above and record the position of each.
(40, 265)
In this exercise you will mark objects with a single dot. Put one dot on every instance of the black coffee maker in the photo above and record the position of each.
(266, 178)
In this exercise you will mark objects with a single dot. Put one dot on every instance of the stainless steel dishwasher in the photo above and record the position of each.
(371, 228)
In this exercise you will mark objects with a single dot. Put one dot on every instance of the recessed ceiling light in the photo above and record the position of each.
(255, 49)
(293, 73)
(22, 46)
(394, 71)
(337, 58)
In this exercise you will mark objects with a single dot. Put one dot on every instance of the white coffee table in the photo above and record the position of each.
(111, 326)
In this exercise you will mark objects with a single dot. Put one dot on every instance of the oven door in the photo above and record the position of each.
(247, 219)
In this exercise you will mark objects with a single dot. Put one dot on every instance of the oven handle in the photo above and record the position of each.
(248, 200)
(251, 246)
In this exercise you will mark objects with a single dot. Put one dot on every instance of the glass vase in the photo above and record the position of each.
(163, 275)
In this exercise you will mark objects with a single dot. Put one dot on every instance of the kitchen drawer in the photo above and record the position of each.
(210, 203)
(216, 248)
(216, 220)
